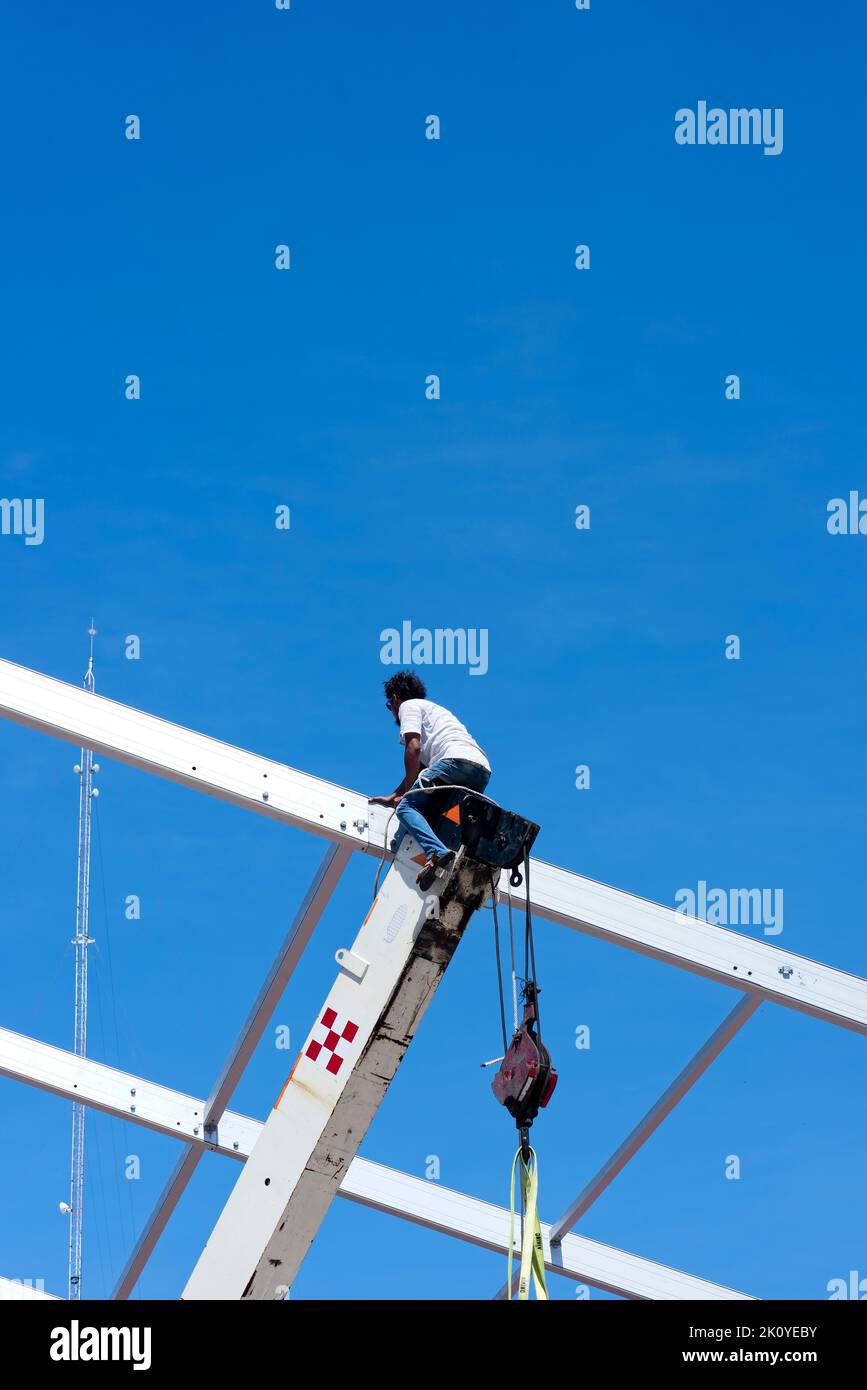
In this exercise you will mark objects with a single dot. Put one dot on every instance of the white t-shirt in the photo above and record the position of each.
(441, 734)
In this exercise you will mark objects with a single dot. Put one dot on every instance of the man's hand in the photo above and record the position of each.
(412, 766)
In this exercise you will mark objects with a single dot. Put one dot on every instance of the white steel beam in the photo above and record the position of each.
(194, 760)
(390, 1191)
(339, 1079)
(122, 1094)
(117, 1092)
(482, 1223)
(715, 952)
(271, 789)
(170, 1112)
(327, 876)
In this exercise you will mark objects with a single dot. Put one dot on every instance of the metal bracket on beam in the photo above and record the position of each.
(352, 964)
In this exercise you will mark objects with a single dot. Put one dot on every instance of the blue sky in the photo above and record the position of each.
(559, 388)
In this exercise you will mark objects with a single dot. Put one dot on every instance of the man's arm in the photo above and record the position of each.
(412, 767)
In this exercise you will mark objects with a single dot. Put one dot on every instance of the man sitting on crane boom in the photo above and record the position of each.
(438, 751)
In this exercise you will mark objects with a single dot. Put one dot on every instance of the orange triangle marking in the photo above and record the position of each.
(454, 814)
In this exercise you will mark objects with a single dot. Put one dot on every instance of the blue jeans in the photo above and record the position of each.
(417, 809)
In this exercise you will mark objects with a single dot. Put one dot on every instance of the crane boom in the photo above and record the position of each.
(342, 1073)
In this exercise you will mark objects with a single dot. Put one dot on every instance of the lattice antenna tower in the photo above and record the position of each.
(82, 940)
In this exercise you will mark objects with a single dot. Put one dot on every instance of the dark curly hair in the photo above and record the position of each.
(405, 685)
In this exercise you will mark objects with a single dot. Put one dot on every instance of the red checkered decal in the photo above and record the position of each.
(331, 1032)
